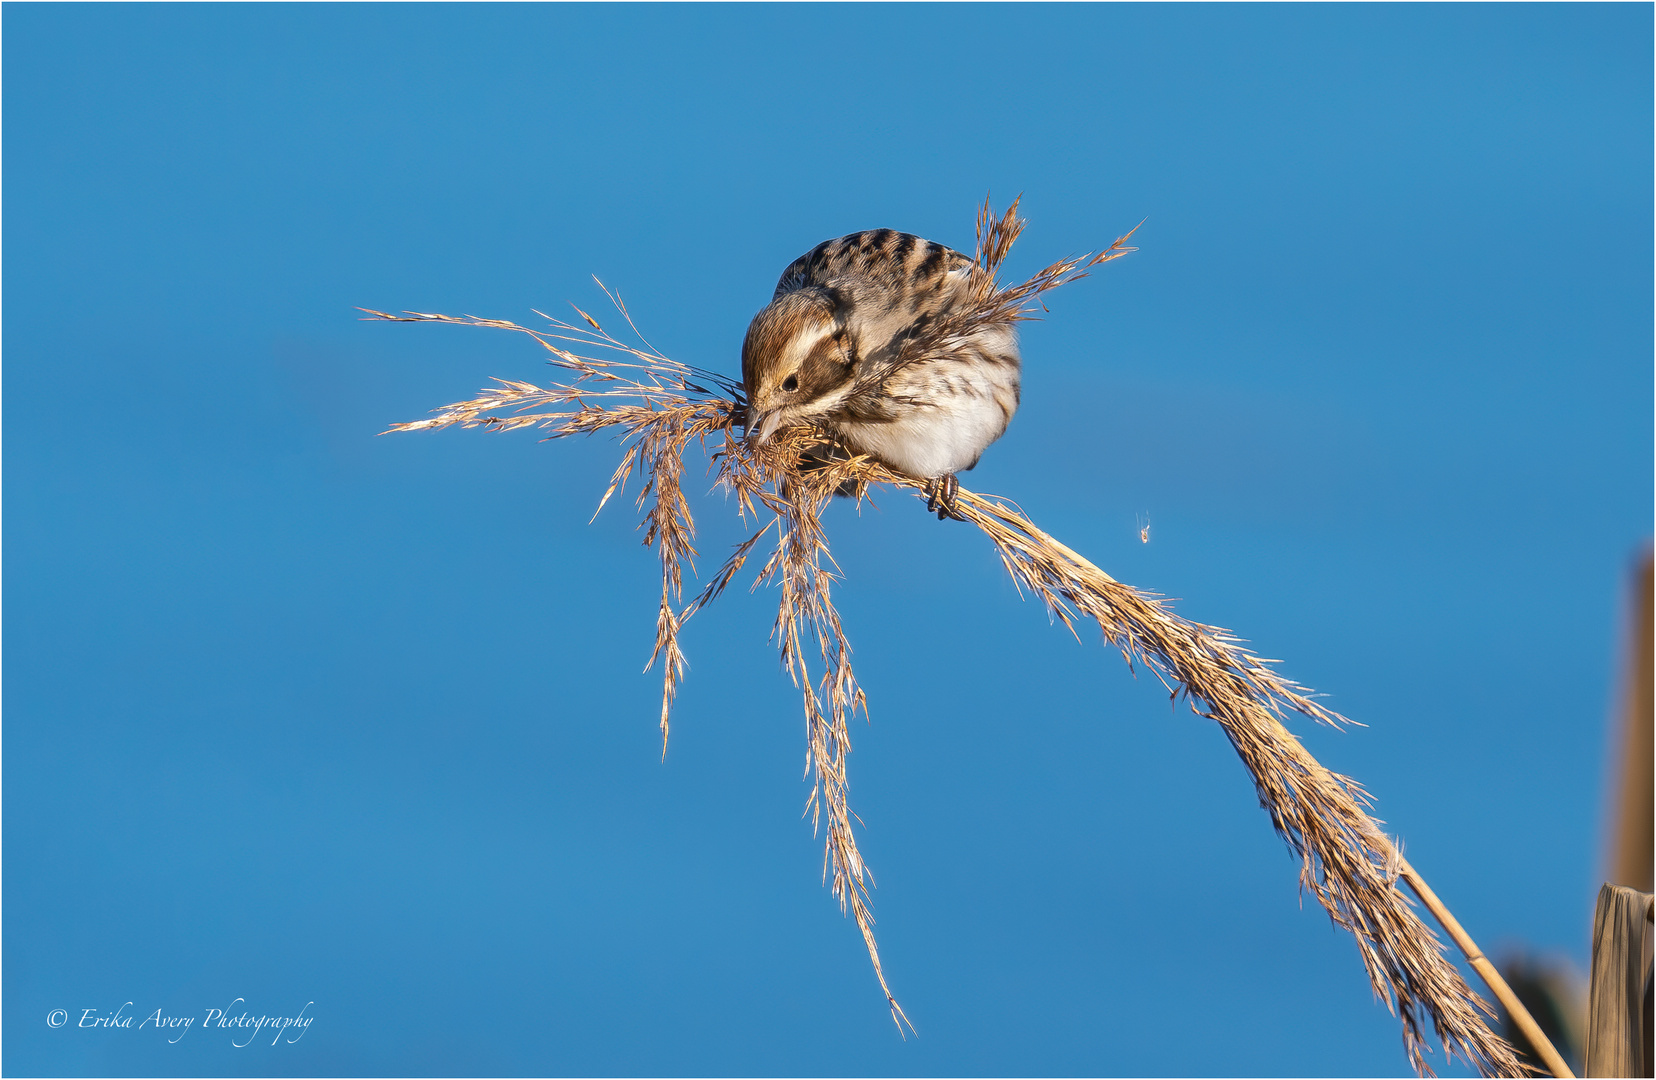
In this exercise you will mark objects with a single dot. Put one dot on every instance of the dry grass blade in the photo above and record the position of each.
(1346, 860)
(660, 408)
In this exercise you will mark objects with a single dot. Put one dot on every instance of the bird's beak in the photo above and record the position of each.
(764, 425)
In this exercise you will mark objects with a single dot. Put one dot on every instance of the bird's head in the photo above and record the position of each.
(796, 361)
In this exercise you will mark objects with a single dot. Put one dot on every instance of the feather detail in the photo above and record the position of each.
(925, 389)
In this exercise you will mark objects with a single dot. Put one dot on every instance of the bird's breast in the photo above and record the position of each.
(937, 417)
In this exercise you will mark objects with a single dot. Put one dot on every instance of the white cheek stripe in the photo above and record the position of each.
(790, 414)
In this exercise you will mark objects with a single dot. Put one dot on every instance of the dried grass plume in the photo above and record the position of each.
(660, 409)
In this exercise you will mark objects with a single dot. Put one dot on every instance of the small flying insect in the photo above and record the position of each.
(1144, 527)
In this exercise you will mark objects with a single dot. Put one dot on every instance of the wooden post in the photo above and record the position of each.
(1631, 840)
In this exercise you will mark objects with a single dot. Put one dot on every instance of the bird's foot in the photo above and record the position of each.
(942, 497)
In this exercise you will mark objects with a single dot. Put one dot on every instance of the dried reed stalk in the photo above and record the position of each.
(659, 407)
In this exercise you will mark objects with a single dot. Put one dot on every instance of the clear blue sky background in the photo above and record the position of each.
(297, 714)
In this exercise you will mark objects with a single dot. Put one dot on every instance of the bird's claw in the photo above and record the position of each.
(942, 497)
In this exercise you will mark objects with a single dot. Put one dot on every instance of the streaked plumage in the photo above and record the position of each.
(867, 339)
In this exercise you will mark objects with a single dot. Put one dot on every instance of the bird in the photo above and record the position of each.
(871, 339)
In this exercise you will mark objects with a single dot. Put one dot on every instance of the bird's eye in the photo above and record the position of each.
(791, 383)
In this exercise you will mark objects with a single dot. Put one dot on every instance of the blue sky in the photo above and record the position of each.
(295, 714)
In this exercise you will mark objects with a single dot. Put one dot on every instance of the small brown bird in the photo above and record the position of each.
(869, 338)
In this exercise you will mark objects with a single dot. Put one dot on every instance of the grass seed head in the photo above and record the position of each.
(660, 409)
